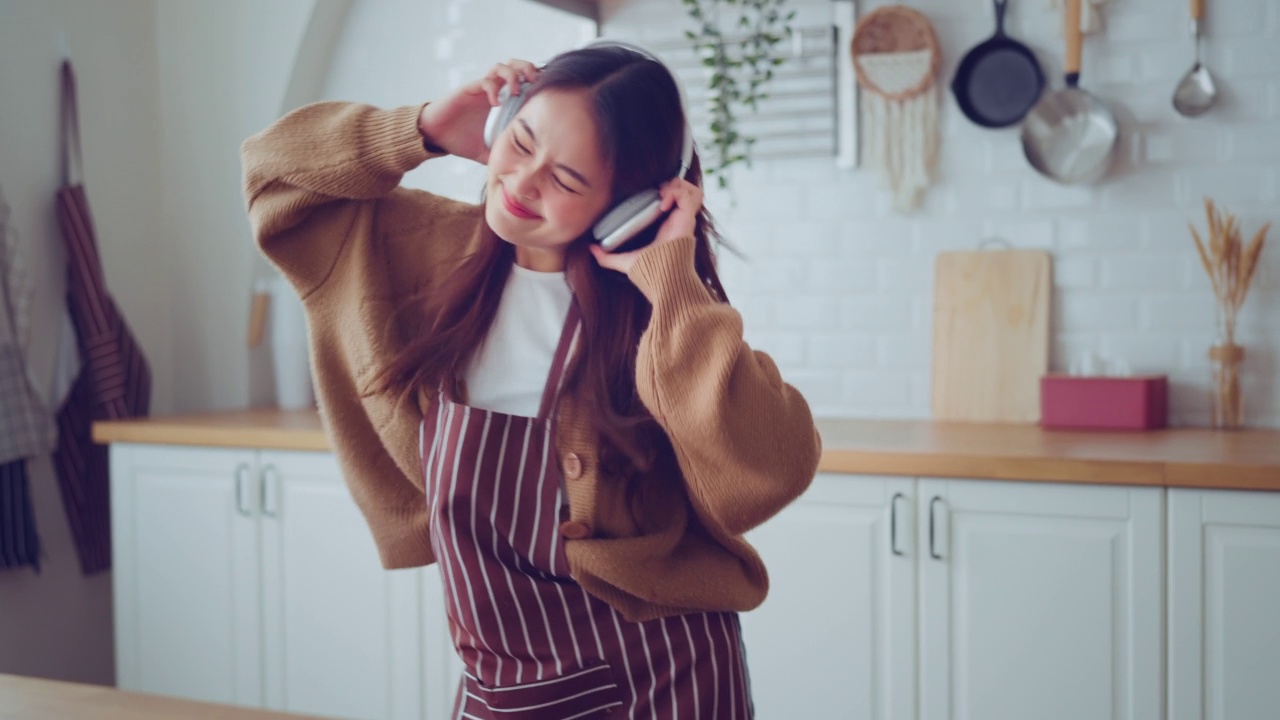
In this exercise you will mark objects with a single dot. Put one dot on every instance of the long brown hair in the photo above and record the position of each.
(636, 106)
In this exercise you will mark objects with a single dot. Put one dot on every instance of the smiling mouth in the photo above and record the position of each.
(516, 208)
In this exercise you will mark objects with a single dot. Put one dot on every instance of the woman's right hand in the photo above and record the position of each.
(456, 124)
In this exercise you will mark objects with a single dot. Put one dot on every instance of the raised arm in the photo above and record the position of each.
(310, 179)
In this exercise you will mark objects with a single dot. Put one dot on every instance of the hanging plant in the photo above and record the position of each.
(736, 41)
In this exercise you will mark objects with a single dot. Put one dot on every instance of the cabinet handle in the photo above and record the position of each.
(269, 509)
(893, 524)
(932, 552)
(242, 475)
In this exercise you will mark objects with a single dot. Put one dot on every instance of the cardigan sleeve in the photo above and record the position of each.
(745, 440)
(309, 177)
(324, 198)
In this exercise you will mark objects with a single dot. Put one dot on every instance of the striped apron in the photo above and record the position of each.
(535, 645)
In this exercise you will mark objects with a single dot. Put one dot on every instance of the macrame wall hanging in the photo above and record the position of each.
(896, 58)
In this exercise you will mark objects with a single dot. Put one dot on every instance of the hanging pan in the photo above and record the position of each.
(999, 80)
(1070, 136)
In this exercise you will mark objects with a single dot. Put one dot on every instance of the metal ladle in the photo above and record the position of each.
(1196, 92)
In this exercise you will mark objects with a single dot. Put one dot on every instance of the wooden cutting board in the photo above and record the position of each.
(990, 334)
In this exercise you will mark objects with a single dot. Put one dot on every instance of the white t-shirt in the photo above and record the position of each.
(510, 369)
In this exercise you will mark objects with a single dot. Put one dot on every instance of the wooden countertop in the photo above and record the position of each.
(25, 698)
(1175, 457)
(262, 429)
(1179, 457)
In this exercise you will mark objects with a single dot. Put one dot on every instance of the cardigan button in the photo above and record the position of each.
(572, 466)
(575, 530)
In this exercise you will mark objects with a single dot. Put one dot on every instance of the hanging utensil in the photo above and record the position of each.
(1070, 136)
(1196, 91)
(999, 80)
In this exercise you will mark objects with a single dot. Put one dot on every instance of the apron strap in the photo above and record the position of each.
(69, 129)
(560, 361)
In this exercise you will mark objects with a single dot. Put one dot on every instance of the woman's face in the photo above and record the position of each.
(547, 181)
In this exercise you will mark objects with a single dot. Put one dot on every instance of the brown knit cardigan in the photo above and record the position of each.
(322, 186)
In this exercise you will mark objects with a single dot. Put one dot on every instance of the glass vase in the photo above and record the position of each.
(1228, 403)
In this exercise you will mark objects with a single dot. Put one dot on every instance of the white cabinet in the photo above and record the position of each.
(1224, 605)
(940, 599)
(249, 577)
(836, 636)
(1040, 600)
(185, 574)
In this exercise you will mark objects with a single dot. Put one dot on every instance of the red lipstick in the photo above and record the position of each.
(516, 208)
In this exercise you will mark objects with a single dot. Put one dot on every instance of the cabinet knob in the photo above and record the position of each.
(269, 499)
(932, 536)
(242, 476)
(893, 524)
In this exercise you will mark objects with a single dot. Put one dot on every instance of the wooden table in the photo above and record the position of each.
(25, 698)
(1176, 457)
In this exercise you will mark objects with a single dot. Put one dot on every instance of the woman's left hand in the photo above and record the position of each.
(680, 194)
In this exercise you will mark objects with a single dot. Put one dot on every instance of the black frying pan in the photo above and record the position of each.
(998, 81)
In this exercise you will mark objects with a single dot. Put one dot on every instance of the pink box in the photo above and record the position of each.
(1104, 403)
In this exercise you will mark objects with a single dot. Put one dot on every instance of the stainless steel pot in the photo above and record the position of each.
(1071, 136)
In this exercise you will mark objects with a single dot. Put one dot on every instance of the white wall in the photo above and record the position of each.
(224, 68)
(58, 624)
(838, 288)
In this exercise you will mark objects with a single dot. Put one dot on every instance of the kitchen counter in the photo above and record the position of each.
(26, 698)
(1178, 457)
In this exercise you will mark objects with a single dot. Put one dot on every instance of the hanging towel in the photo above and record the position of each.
(19, 543)
(115, 382)
(26, 426)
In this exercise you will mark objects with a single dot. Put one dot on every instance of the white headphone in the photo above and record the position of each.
(633, 214)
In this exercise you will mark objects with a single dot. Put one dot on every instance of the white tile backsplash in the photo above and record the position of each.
(838, 288)
(1140, 272)
(841, 351)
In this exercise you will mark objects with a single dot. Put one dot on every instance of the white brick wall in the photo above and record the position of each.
(838, 288)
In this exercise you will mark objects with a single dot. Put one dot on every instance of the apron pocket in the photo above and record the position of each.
(582, 694)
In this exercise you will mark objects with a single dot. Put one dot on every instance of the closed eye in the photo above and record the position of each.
(533, 140)
(525, 151)
(563, 186)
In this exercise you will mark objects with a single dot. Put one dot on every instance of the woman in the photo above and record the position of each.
(592, 435)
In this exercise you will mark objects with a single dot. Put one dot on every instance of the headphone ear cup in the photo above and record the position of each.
(628, 218)
(500, 115)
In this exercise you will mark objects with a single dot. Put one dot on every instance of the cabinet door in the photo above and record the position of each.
(185, 579)
(340, 633)
(1224, 586)
(836, 636)
(1040, 601)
